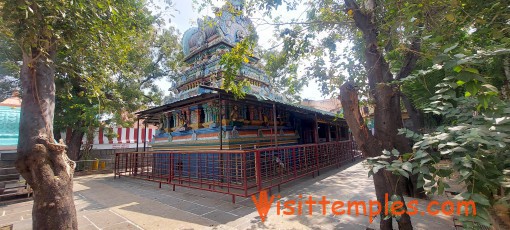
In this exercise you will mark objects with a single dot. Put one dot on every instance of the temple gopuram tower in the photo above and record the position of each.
(204, 45)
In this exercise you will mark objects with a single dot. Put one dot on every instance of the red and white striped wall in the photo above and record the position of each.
(126, 138)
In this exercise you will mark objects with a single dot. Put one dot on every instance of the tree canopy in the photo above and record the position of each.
(101, 81)
(88, 59)
(447, 62)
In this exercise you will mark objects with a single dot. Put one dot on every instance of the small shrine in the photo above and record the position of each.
(201, 115)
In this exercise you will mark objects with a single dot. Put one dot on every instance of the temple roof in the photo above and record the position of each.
(229, 26)
(204, 93)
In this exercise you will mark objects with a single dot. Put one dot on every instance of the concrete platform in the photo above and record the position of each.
(105, 203)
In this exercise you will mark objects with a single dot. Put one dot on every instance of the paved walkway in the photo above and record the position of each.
(105, 203)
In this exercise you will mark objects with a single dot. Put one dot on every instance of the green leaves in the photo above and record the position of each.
(457, 68)
(472, 149)
(407, 166)
(106, 60)
(232, 62)
(451, 47)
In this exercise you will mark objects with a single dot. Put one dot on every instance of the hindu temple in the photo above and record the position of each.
(209, 139)
(202, 115)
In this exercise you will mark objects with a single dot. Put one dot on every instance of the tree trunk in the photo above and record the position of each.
(385, 183)
(415, 115)
(42, 162)
(506, 83)
(74, 144)
(387, 111)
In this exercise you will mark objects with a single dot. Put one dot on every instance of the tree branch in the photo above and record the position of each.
(154, 64)
(377, 68)
(265, 22)
(362, 20)
(150, 77)
(411, 58)
(364, 138)
(150, 98)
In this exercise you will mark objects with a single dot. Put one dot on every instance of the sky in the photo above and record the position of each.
(184, 17)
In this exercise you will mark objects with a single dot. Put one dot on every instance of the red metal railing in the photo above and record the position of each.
(235, 172)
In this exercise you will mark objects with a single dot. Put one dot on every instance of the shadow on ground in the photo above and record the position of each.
(106, 203)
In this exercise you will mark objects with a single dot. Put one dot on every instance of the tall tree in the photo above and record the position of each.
(392, 39)
(464, 68)
(43, 29)
(387, 110)
(85, 105)
(386, 49)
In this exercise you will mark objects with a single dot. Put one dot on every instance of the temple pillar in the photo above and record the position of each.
(251, 109)
(223, 112)
(177, 118)
(167, 123)
(206, 108)
(247, 113)
(193, 118)
(198, 111)
(328, 130)
(187, 118)
(338, 132)
(212, 116)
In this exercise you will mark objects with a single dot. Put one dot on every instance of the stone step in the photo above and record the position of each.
(8, 155)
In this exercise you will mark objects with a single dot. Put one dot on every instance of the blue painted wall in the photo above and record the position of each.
(9, 125)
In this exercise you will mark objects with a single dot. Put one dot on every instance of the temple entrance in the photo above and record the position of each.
(308, 132)
(323, 132)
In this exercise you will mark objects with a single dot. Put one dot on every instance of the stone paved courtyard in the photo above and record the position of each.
(105, 203)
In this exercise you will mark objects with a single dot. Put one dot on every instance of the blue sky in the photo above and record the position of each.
(184, 17)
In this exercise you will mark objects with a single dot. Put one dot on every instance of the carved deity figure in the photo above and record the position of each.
(234, 114)
(265, 120)
(184, 121)
(235, 120)
(162, 123)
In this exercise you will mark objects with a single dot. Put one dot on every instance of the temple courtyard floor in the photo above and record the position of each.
(103, 202)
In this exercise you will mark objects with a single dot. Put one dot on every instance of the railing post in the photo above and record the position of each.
(295, 161)
(317, 158)
(115, 166)
(245, 175)
(221, 120)
(170, 167)
(316, 134)
(339, 153)
(137, 132)
(189, 169)
(130, 164)
(229, 173)
(258, 174)
(135, 165)
(347, 151)
(352, 151)
(280, 168)
(126, 166)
